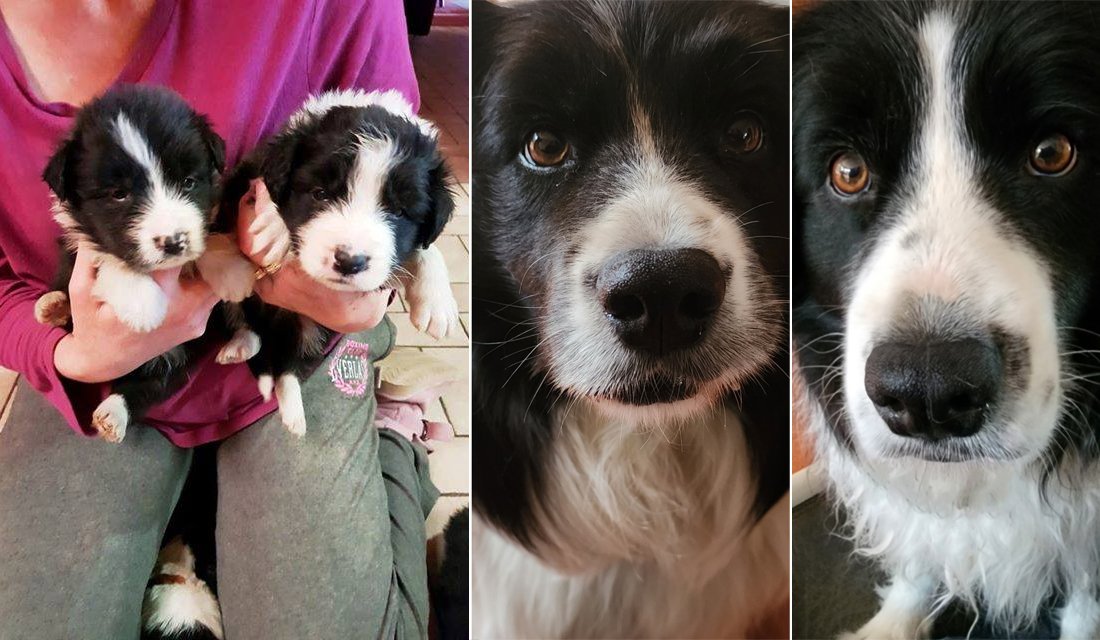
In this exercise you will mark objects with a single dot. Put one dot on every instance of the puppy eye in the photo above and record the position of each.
(545, 149)
(745, 135)
(849, 174)
(319, 194)
(1054, 155)
(188, 184)
(120, 194)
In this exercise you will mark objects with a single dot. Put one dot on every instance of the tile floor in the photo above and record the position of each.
(441, 66)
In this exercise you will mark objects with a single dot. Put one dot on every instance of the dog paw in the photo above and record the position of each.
(110, 418)
(432, 311)
(293, 413)
(241, 347)
(226, 270)
(886, 626)
(53, 309)
(143, 308)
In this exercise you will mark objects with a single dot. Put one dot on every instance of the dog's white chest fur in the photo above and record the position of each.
(645, 532)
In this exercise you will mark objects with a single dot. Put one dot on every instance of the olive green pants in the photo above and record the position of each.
(320, 537)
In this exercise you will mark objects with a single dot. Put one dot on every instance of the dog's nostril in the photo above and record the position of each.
(624, 307)
(660, 301)
(347, 264)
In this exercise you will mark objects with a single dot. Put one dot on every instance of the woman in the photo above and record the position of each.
(305, 544)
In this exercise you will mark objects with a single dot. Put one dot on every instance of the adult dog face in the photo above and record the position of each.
(945, 187)
(634, 189)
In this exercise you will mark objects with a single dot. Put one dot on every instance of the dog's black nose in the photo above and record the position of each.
(349, 264)
(172, 245)
(661, 301)
(934, 390)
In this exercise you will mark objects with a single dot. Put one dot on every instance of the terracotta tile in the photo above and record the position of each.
(458, 226)
(441, 513)
(456, 256)
(461, 292)
(450, 466)
(408, 336)
(8, 379)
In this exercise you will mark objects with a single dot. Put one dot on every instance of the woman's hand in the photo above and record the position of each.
(266, 241)
(102, 348)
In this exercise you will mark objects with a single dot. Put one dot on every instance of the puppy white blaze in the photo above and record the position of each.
(392, 100)
(165, 211)
(356, 223)
(655, 208)
(947, 242)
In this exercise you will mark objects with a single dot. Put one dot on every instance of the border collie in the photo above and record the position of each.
(363, 190)
(136, 183)
(630, 386)
(945, 186)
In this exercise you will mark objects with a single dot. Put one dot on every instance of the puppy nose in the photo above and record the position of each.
(661, 301)
(934, 390)
(172, 245)
(349, 264)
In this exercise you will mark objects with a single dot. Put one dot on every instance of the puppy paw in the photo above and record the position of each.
(890, 626)
(111, 418)
(142, 307)
(432, 311)
(293, 413)
(241, 347)
(226, 270)
(53, 309)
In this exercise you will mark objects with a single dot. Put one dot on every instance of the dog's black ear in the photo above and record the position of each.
(488, 19)
(215, 146)
(441, 205)
(59, 169)
(276, 163)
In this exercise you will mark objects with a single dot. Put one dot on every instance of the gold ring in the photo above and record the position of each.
(269, 270)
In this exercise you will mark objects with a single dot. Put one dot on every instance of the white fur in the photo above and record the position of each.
(357, 223)
(978, 531)
(392, 100)
(241, 347)
(166, 211)
(225, 269)
(432, 305)
(135, 298)
(266, 385)
(111, 418)
(291, 408)
(173, 608)
(645, 532)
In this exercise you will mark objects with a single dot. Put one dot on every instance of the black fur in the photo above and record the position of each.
(550, 65)
(89, 165)
(857, 85)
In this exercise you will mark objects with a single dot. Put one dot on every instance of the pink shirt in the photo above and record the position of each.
(247, 64)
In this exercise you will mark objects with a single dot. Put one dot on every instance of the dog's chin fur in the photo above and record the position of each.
(954, 239)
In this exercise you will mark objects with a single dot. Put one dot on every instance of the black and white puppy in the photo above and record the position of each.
(946, 180)
(136, 183)
(631, 233)
(363, 190)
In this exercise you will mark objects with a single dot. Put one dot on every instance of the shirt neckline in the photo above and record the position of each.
(152, 32)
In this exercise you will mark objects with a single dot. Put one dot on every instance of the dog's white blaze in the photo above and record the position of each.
(948, 242)
(358, 222)
(983, 530)
(166, 210)
(174, 608)
(392, 100)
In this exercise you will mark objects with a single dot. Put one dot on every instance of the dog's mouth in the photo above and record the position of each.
(959, 450)
(654, 391)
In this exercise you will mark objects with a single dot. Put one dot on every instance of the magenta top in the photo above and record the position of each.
(247, 64)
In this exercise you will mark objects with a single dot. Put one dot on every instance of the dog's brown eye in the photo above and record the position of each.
(188, 184)
(120, 194)
(544, 149)
(745, 135)
(850, 174)
(319, 194)
(1054, 155)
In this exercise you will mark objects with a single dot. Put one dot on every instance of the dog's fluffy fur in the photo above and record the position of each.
(135, 183)
(355, 173)
(622, 493)
(955, 238)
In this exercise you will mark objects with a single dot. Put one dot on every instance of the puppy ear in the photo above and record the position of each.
(441, 205)
(276, 163)
(215, 146)
(58, 171)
